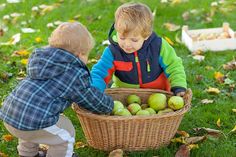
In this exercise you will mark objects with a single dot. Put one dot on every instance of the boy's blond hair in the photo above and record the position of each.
(73, 37)
(134, 17)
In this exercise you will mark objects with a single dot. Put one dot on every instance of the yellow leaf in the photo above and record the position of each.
(218, 122)
(7, 137)
(193, 146)
(213, 90)
(38, 40)
(22, 52)
(234, 129)
(169, 40)
(80, 145)
(218, 75)
(178, 139)
(183, 133)
(234, 110)
(3, 155)
(71, 21)
(24, 61)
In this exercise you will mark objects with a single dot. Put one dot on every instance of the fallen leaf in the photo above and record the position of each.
(3, 155)
(212, 90)
(14, 1)
(182, 133)
(234, 129)
(186, 15)
(80, 144)
(207, 101)
(218, 122)
(192, 140)
(178, 140)
(183, 151)
(28, 30)
(38, 40)
(227, 81)
(193, 146)
(106, 42)
(14, 40)
(169, 40)
(7, 137)
(21, 53)
(1, 32)
(199, 57)
(116, 153)
(171, 27)
(234, 110)
(219, 77)
(209, 131)
(230, 65)
(209, 68)
(24, 61)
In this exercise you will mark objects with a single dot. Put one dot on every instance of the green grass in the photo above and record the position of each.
(97, 15)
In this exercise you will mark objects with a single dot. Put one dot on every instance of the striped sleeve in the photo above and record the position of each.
(102, 71)
(90, 97)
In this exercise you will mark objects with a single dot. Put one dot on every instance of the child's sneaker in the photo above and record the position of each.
(74, 155)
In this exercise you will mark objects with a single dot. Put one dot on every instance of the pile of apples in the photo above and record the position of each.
(210, 36)
(157, 103)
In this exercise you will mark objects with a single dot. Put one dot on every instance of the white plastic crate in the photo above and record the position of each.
(212, 39)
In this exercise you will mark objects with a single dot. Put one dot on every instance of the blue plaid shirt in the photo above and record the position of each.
(55, 79)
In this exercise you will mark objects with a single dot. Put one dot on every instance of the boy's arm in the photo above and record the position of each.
(103, 70)
(90, 97)
(173, 68)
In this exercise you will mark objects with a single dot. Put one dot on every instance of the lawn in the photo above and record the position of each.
(97, 15)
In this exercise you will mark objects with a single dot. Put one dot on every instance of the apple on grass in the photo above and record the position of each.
(157, 101)
(134, 108)
(176, 102)
(133, 99)
(123, 112)
(117, 105)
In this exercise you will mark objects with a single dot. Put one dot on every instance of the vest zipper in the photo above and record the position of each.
(138, 69)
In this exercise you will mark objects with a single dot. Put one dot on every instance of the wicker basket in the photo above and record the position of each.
(132, 133)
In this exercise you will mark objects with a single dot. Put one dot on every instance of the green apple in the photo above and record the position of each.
(176, 102)
(133, 99)
(117, 105)
(167, 110)
(150, 110)
(143, 112)
(157, 101)
(123, 112)
(134, 108)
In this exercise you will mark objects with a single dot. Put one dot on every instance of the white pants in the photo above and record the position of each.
(60, 138)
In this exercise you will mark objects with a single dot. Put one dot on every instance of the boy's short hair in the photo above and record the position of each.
(73, 37)
(135, 17)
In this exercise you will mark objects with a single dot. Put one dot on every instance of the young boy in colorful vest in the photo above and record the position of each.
(56, 77)
(137, 57)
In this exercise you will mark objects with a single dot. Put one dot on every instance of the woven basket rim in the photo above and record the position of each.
(87, 113)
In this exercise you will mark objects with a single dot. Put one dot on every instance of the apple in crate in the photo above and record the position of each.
(117, 105)
(134, 108)
(123, 112)
(176, 102)
(157, 101)
(133, 99)
(150, 110)
(143, 113)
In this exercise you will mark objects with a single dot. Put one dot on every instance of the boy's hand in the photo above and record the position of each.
(180, 94)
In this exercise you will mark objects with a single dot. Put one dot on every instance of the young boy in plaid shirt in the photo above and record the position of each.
(56, 77)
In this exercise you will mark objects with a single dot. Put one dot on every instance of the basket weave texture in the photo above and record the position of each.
(132, 133)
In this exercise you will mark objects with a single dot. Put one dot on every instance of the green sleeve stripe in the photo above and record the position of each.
(172, 65)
